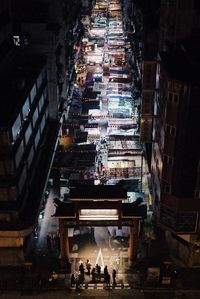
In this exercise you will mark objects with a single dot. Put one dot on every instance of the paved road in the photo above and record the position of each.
(112, 294)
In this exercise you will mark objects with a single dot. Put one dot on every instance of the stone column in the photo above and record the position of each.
(133, 242)
(64, 242)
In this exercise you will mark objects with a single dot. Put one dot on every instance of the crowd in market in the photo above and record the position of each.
(95, 274)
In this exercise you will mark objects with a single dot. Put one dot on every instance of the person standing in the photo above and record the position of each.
(88, 267)
(93, 272)
(114, 274)
(99, 272)
(106, 275)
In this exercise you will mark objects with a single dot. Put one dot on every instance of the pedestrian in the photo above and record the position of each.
(76, 279)
(99, 271)
(82, 269)
(81, 278)
(93, 272)
(108, 279)
(106, 274)
(114, 274)
(88, 267)
(105, 271)
(72, 280)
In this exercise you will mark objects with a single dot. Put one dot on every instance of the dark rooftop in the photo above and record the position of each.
(68, 209)
(98, 192)
(16, 82)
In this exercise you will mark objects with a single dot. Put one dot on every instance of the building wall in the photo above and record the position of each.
(175, 157)
(186, 252)
(178, 19)
(43, 25)
(41, 28)
(22, 138)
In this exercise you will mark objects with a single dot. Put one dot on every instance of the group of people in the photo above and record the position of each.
(78, 278)
(80, 80)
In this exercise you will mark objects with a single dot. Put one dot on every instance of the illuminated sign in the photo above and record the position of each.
(98, 214)
(88, 48)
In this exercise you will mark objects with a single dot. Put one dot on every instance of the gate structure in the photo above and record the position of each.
(99, 205)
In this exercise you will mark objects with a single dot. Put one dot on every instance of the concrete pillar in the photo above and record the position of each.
(133, 242)
(64, 242)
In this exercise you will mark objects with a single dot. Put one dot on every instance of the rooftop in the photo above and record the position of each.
(98, 192)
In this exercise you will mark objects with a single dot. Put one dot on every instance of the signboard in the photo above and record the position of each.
(153, 274)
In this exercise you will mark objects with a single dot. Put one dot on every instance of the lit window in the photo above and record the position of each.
(197, 194)
(16, 40)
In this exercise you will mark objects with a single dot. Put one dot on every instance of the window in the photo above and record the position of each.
(41, 102)
(22, 179)
(171, 130)
(43, 123)
(30, 157)
(37, 139)
(16, 40)
(35, 116)
(19, 154)
(45, 93)
(26, 109)
(44, 74)
(168, 160)
(173, 97)
(47, 113)
(170, 96)
(28, 133)
(167, 189)
(33, 93)
(39, 80)
(176, 97)
(197, 194)
(16, 128)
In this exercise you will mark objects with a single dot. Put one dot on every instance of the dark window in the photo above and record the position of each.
(170, 96)
(168, 160)
(167, 189)
(171, 130)
(175, 98)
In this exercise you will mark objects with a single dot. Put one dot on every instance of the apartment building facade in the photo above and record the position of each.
(33, 87)
(175, 154)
